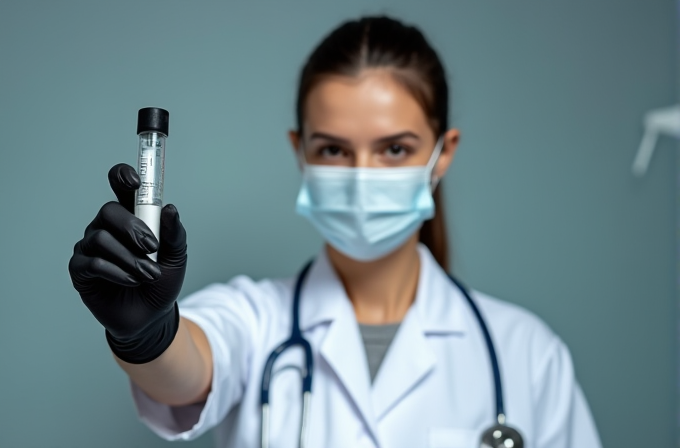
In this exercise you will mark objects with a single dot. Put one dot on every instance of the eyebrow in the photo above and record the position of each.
(324, 136)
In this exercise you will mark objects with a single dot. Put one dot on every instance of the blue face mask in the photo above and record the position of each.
(366, 213)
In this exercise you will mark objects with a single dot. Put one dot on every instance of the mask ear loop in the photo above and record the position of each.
(434, 179)
(300, 154)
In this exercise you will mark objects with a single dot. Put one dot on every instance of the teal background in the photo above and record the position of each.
(543, 210)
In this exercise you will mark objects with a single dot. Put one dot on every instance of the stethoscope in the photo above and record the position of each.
(498, 436)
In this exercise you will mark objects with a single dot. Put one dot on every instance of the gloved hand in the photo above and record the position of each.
(133, 297)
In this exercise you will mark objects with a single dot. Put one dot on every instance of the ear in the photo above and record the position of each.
(451, 138)
(294, 138)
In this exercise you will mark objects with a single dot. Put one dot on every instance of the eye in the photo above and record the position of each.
(395, 151)
(330, 152)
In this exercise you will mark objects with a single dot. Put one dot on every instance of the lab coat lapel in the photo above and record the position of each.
(324, 300)
(437, 309)
(343, 350)
(408, 361)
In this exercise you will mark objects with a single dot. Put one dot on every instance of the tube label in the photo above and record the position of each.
(151, 170)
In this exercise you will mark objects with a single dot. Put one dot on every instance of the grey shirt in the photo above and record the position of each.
(377, 339)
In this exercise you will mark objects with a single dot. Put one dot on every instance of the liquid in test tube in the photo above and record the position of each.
(152, 129)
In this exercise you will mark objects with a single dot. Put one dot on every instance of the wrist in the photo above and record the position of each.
(148, 345)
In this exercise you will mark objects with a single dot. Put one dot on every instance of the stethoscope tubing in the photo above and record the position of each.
(296, 339)
(498, 386)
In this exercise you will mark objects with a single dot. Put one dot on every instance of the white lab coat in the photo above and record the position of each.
(434, 387)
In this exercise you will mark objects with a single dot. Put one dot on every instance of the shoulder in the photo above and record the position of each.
(241, 298)
(537, 366)
(522, 335)
(240, 287)
(507, 317)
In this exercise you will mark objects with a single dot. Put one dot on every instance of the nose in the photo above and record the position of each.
(363, 158)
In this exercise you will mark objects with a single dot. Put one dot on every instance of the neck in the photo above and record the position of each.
(381, 291)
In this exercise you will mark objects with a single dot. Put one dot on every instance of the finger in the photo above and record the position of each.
(124, 180)
(131, 231)
(102, 244)
(172, 250)
(83, 268)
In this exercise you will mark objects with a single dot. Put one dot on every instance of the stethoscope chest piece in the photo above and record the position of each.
(501, 436)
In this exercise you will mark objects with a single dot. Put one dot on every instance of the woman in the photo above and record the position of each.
(400, 357)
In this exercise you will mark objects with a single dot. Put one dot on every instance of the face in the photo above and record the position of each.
(368, 121)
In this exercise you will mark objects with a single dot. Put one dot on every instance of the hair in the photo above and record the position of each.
(385, 43)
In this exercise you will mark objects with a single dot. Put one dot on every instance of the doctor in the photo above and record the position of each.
(398, 355)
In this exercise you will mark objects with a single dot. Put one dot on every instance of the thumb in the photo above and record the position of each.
(124, 180)
(172, 249)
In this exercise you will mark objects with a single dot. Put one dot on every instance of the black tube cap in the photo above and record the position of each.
(153, 119)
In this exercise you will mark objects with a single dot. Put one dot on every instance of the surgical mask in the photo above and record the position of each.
(366, 213)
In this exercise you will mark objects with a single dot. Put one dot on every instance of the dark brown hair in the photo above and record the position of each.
(383, 42)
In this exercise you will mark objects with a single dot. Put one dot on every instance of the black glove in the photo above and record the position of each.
(130, 295)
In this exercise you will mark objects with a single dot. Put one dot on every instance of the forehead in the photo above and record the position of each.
(372, 103)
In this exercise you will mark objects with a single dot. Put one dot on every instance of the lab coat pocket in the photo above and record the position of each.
(453, 438)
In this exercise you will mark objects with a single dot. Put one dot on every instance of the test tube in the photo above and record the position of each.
(152, 129)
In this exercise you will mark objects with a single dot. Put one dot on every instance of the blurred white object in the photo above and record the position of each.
(658, 121)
